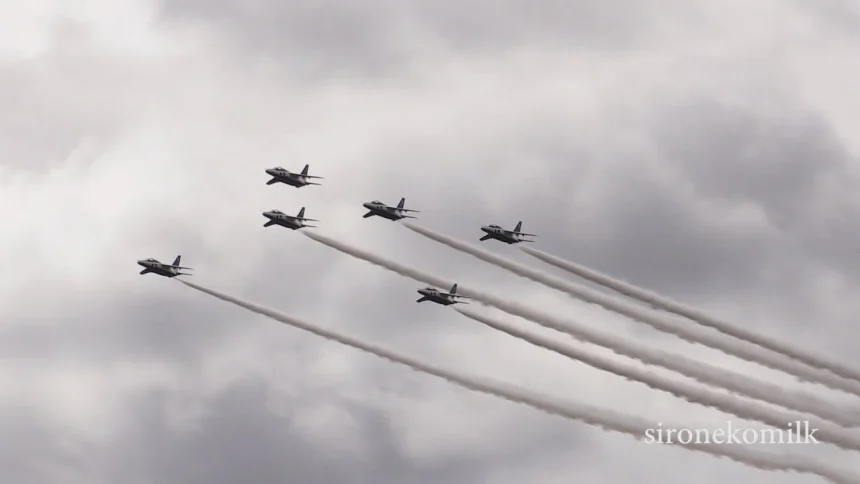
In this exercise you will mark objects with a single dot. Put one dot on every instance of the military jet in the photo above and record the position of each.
(298, 180)
(276, 217)
(439, 297)
(391, 213)
(504, 235)
(162, 269)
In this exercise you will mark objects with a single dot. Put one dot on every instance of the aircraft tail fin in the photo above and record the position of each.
(454, 289)
(305, 169)
(301, 213)
(519, 226)
(177, 260)
(402, 203)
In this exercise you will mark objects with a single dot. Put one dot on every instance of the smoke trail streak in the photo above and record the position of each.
(693, 334)
(694, 314)
(702, 372)
(602, 418)
(731, 404)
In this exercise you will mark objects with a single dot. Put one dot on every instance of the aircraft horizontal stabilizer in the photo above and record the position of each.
(317, 177)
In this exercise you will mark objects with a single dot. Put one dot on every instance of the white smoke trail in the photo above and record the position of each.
(702, 372)
(602, 418)
(694, 314)
(749, 410)
(693, 334)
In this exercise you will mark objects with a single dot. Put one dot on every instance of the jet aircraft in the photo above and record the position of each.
(504, 235)
(439, 297)
(298, 180)
(391, 213)
(162, 269)
(276, 217)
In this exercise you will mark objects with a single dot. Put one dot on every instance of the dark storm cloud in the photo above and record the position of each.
(772, 159)
(371, 37)
(240, 439)
(638, 227)
(790, 162)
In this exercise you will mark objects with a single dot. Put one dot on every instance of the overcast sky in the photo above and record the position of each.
(705, 150)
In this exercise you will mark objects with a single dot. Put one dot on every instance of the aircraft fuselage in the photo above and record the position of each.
(291, 223)
(436, 297)
(291, 179)
(389, 213)
(158, 268)
(501, 235)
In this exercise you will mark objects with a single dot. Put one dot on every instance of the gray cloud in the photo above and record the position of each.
(386, 37)
(679, 179)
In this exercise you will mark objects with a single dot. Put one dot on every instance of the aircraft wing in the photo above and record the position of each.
(180, 267)
(317, 177)
(523, 233)
(407, 210)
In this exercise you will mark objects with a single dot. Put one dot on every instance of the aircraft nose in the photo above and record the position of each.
(485, 229)
(140, 262)
(366, 205)
(270, 171)
(267, 214)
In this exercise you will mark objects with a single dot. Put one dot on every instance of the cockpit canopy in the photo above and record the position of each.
(276, 211)
(376, 202)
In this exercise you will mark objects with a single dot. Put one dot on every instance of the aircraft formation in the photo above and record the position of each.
(729, 391)
(375, 209)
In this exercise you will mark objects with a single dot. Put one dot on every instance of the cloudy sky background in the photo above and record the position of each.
(705, 150)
